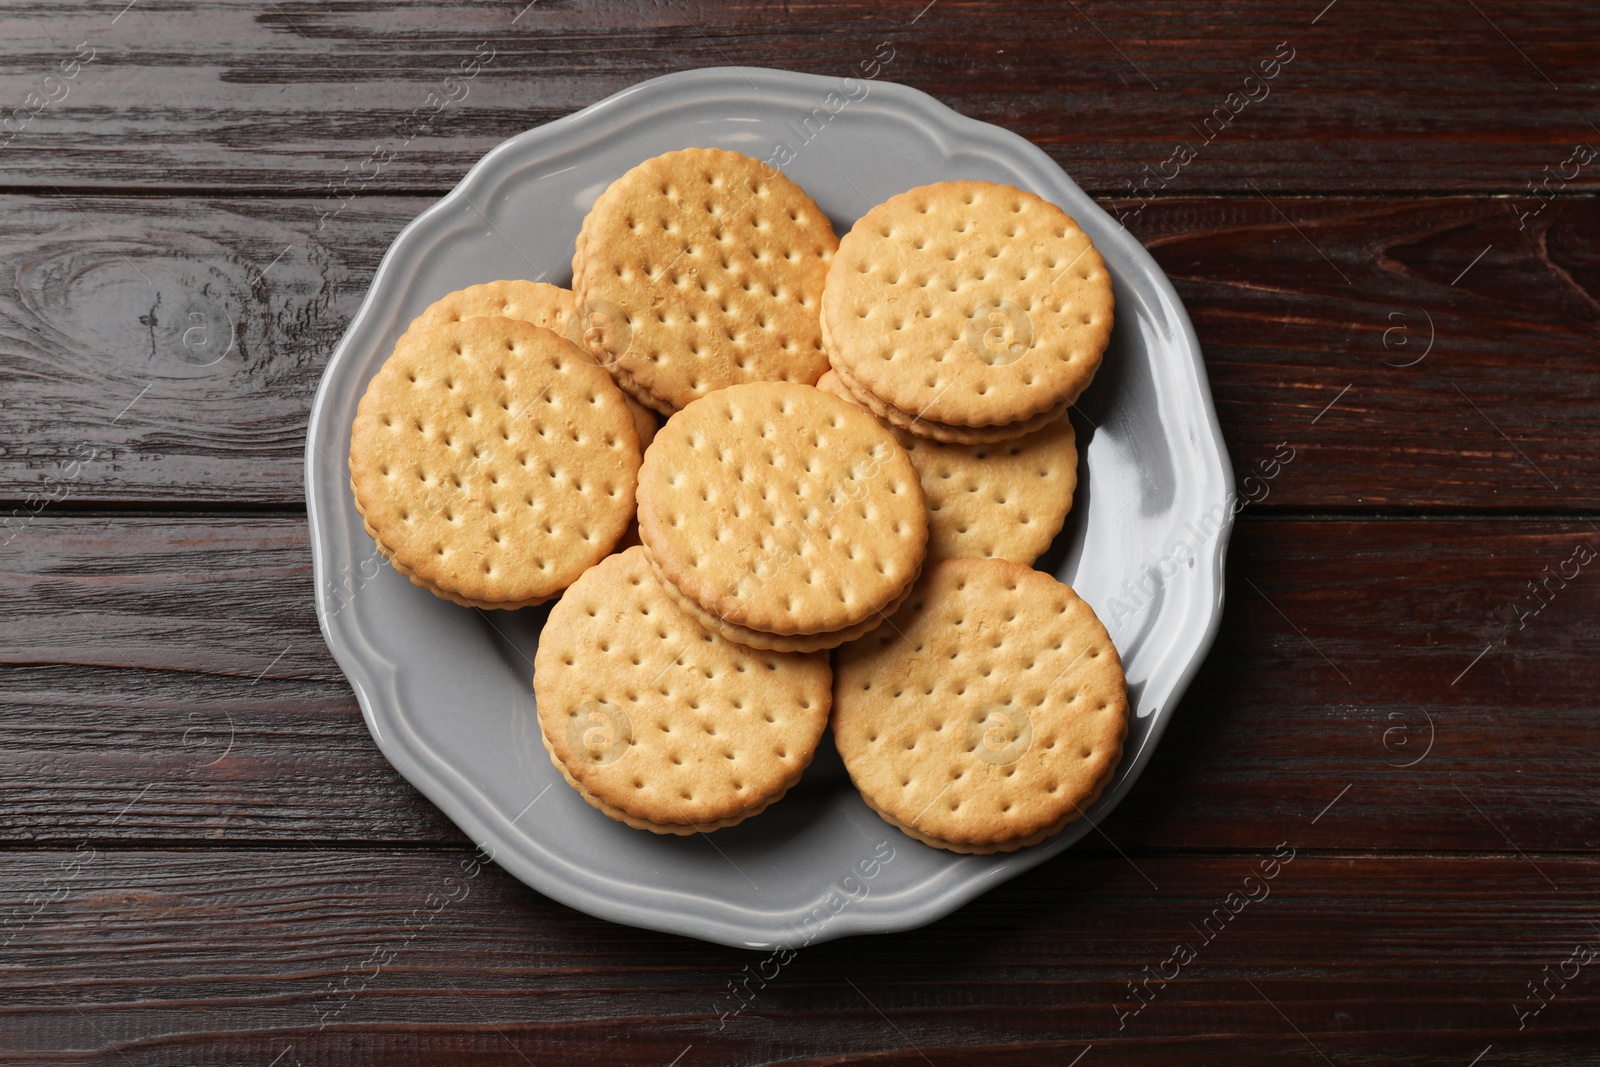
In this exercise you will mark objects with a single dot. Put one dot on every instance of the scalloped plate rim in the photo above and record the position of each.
(934, 898)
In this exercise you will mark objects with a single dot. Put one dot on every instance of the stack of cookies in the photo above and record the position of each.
(966, 312)
(701, 269)
(989, 714)
(782, 517)
(864, 450)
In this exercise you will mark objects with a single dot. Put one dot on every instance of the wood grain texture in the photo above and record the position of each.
(166, 350)
(298, 95)
(1417, 354)
(164, 679)
(168, 681)
(169, 349)
(427, 958)
(1390, 259)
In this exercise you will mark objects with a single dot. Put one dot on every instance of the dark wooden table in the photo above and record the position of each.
(1391, 251)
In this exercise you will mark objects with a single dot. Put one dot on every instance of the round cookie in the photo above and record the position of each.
(703, 268)
(1000, 501)
(492, 461)
(781, 509)
(968, 304)
(660, 723)
(540, 303)
(989, 716)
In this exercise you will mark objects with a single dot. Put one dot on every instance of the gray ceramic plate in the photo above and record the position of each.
(446, 690)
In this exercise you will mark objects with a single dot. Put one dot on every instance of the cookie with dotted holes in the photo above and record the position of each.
(540, 303)
(782, 516)
(701, 269)
(969, 304)
(989, 715)
(1001, 501)
(492, 461)
(661, 723)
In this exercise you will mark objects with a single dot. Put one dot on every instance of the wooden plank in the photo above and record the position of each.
(169, 349)
(304, 96)
(164, 679)
(1414, 354)
(425, 957)
(167, 679)
(166, 350)
(1389, 684)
